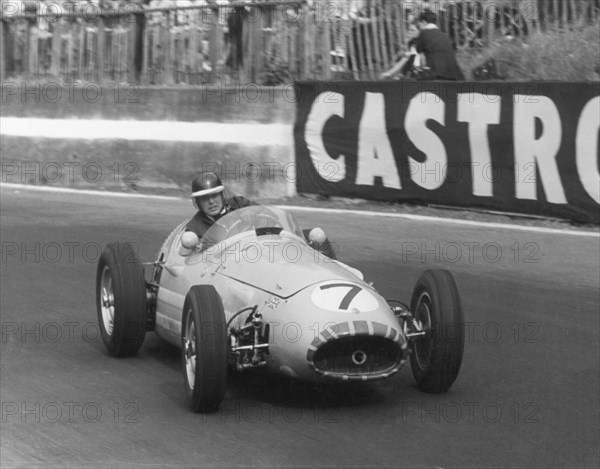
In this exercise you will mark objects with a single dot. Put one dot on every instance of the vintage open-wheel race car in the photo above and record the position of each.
(257, 292)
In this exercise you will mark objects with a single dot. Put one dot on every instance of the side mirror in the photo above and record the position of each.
(189, 240)
(317, 236)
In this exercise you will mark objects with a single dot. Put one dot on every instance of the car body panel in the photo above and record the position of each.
(306, 299)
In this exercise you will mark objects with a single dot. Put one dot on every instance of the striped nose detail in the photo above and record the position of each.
(354, 328)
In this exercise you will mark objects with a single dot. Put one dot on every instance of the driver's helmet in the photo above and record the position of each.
(206, 183)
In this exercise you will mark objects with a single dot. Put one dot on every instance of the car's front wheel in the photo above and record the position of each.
(437, 356)
(121, 299)
(204, 348)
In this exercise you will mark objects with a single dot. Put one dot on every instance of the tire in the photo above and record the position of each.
(325, 248)
(121, 299)
(204, 354)
(437, 357)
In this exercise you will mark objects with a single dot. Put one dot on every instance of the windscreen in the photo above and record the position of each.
(255, 218)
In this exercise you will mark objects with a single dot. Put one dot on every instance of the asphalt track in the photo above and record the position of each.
(527, 395)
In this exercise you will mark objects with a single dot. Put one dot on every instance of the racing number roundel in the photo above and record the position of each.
(342, 296)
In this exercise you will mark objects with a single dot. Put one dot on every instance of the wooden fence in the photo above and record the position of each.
(263, 43)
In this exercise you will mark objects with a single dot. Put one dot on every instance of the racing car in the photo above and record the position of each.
(258, 292)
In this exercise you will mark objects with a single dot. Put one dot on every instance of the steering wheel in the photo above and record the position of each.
(266, 219)
(262, 219)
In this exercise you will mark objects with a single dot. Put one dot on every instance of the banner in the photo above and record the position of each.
(527, 148)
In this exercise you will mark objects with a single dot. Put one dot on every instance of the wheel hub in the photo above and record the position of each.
(188, 349)
(108, 300)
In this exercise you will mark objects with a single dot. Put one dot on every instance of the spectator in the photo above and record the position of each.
(438, 51)
(409, 60)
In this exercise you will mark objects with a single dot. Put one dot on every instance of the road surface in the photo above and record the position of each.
(527, 394)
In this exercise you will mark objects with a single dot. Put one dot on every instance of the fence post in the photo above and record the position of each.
(326, 51)
(538, 16)
(383, 40)
(56, 33)
(374, 32)
(28, 59)
(251, 48)
(581, 20)
(144, 64)
(490, 16)
(3, 55)
(100, 49)
(305, 64)
(8, 47)
(259, 52)
(245, 43)
(574, 15)
(360, 42)
(215, 45)
(366, 29)
(136, 50)
(193, 48)
(389, 36)
(401, 30)
(464, 35)
(168, 67)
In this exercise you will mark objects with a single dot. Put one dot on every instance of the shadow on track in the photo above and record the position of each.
(263, 387)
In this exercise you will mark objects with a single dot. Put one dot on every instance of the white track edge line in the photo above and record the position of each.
(157, 131)
(68, 190)
(481, 224)
(365, 213)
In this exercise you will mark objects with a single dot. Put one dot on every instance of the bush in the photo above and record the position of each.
(552, 55)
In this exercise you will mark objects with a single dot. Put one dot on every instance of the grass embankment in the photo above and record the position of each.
(552, 55)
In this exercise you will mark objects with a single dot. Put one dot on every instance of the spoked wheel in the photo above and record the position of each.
(121, 299)
(437, 355)
(204, 348)
(107, 300)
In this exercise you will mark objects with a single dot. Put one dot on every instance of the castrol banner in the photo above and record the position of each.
(528, 148)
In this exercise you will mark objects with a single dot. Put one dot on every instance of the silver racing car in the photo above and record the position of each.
(258, 292)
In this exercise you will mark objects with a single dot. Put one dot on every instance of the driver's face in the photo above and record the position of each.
(212, 204)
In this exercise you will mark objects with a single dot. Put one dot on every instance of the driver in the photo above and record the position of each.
(208, 196)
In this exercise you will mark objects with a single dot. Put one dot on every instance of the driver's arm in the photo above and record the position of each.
(197, 226)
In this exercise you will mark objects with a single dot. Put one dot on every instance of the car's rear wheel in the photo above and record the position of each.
(121, 299)
(437, 356)
(204, 348)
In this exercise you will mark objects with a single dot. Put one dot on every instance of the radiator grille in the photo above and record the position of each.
(357, 355)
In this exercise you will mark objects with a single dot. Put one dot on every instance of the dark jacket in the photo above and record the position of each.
(202, 222)
(440, 56)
